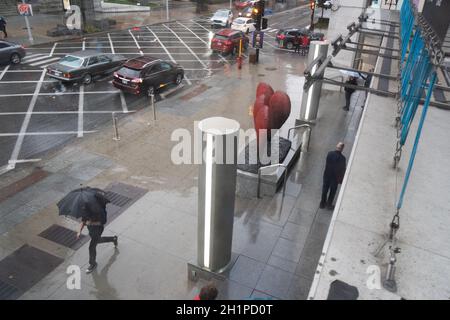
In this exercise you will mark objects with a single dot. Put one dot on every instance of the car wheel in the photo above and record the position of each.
(178, 79)
(289, 45)
(15, 58)
(87, 79)
(150, 91)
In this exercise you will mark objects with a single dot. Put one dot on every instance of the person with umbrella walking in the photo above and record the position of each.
(89, 204)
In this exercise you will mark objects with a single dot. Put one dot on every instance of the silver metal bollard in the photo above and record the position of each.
(152, 102)
(115, 127)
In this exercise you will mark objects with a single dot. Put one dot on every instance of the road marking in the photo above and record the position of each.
(202, 26)
(48, 133)
(223, 59)
(111, 44)
(44, 61)
(137, 44)
(4, 72)
(26, 160)
(32, 81)
(41, 56)
(187, 47)
(26, 122)
(83, 46)
(80, 111)
(123, 102)
(53, 49)
(64, 112)
(54, 94)
(168, 53)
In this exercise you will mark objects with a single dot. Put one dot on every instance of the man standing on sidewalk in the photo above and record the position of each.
(95, 228)
(349, 92)
(3, 26)
(333, 175)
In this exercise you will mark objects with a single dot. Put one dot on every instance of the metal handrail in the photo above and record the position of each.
(309, 134)
(342, 80)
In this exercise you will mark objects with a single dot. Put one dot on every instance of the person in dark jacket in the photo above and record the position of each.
(349, 92)
(296, 43)
(333, 175)
(367, 82)
(3, 26)
(96, 227)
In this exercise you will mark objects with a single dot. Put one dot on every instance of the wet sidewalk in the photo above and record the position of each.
(155, 214)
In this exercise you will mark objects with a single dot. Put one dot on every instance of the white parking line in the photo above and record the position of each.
(25, 123)
(202, 26)
(22, 135)
(187, 47)
(123, 102)
(111, 44)
(54, 94)
(64, 112)
(80, 112)
(35, 58)
(168, 53)
(4, 71)
(222, 58)
(137, 44)
(83, 47)
(44, 61)
(53, 49)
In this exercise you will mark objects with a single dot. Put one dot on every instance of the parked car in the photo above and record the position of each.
(11, 52)
(145, 75)
(242, 4)
(84, 66)
(246, 13)
(243, 24)
(227, 41)
(222, 17)
(285, 37)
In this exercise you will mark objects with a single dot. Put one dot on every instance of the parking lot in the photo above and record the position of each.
(38, 114)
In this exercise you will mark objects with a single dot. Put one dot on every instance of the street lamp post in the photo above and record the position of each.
(312, 5)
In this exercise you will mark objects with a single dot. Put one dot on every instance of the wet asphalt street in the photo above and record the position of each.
(37, 114)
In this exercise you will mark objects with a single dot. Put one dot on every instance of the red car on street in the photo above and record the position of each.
(242, 4)
(227, 41)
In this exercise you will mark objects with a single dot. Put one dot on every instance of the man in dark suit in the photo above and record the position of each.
(333, 175)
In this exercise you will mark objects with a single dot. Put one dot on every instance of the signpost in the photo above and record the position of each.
(258, 39)
(26, 10)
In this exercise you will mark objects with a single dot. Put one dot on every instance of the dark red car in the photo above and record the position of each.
(242, 4)
(227, 41)
(146, 75)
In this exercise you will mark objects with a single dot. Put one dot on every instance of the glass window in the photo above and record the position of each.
(156, 68)
(71, 61)
(165, 66)
(92, 61)
(3, 45)
(103, 59)
(129, 73)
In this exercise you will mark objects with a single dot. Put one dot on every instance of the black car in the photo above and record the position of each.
(11, 52)
(285, 37)
(84, 66)
(145, 75)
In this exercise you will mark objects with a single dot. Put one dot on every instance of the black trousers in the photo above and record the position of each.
(329, 184)
(3, 29)
(297, 48)
(348, 96)
(95, 232)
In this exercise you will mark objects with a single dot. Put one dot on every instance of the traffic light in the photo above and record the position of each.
(264, 23)
(312, 4)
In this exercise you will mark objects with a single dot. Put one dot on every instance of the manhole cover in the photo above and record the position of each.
(117, 199)
(8, 292)
(271, 68)
(26, 266)
(63, 236)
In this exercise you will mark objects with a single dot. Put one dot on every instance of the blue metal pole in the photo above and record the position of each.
(416, 142)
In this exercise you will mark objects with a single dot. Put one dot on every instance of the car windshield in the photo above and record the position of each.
(219, 37)
(239, 21)
(71, 61)
(129, 73)
(221, 13)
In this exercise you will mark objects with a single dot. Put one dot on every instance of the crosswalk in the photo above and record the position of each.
(270, 30)
(39, 60)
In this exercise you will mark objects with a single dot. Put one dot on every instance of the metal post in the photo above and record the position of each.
(217, 192)
(152, 102)
(30, 36)
(115, 127)
(313, 7)
(167, 10)
(311, 96)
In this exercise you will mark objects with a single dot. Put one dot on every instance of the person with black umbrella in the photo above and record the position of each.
(89, 204)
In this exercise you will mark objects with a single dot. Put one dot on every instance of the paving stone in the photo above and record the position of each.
(283, 264)
(306, 267)
(246, 271)
(288, 250)
(275, 282)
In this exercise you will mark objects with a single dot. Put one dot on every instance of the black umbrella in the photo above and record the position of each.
(89, 203)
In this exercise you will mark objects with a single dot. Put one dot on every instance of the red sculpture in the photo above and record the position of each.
(270, 110)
